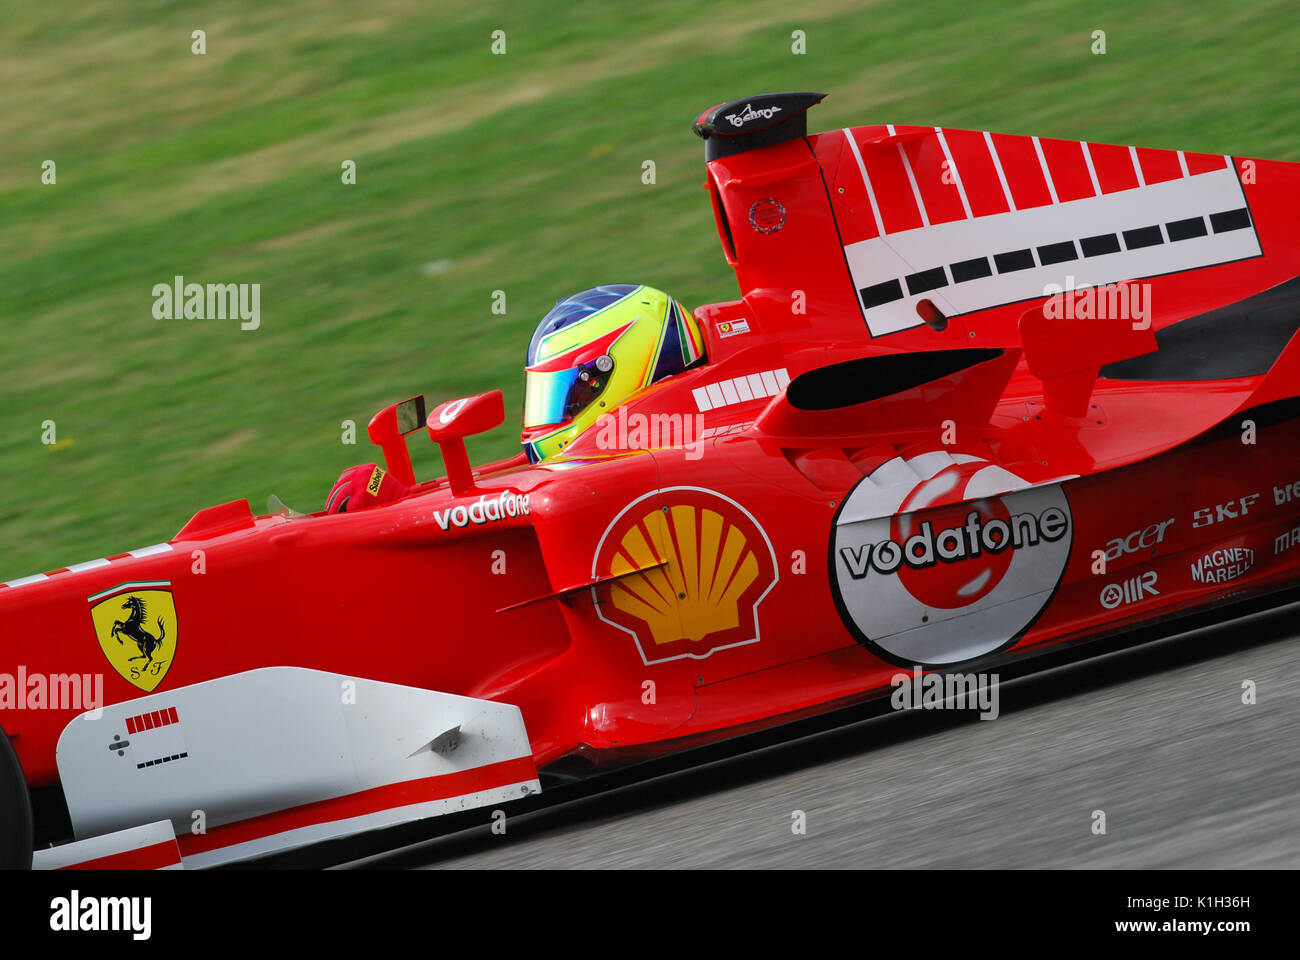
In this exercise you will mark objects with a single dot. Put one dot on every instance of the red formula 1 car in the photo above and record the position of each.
(983, 395)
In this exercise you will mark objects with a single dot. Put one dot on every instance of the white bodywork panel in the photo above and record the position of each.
(281, 757)
(148, 847)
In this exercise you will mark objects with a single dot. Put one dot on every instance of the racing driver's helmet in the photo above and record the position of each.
(593, 351)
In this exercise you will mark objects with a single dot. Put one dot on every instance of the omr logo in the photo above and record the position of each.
(1129, 591)
(940, 558)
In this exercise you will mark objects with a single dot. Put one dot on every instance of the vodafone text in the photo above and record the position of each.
(925, 548)
(483, 510)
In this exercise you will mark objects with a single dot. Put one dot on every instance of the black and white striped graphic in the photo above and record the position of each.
(974, 264)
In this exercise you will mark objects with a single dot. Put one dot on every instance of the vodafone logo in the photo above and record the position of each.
(484, 510)
(452, 410)
(941, 558)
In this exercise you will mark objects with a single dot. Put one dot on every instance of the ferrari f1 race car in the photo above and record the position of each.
(982, 396)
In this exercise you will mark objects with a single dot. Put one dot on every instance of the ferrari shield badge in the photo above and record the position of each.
(137, 630)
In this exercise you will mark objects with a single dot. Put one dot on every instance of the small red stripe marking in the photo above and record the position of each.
(161, 854)
(942, 201)
(1159, 165)
(157, 718)
(1024, 173)
(148, 721)
(892, 188)
(1204, 162)
(359, 804)
(171, 715)
(970, 155)
(1114, 166)
(130, 724)
(1069, 169)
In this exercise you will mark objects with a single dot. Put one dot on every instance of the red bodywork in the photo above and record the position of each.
(750, 578)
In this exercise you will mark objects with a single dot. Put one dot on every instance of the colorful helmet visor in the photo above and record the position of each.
(557, 396)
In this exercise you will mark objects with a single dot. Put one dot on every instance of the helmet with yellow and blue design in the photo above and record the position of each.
(593, 351)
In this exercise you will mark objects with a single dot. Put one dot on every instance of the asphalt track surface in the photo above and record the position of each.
(1157, 737)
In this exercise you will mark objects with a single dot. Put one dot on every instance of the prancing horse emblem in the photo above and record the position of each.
(133, 627)
(137, 628)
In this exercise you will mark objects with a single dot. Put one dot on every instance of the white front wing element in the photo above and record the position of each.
(281, 757)
(148, 847)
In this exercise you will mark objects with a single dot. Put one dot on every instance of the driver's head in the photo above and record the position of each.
(593, 351)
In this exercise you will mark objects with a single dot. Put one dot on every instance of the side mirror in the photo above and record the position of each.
(451, 422)
(388, 430)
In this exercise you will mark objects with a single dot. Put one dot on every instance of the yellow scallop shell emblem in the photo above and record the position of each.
(690, 575)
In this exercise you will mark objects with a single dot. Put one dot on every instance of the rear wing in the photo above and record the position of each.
(891, 237)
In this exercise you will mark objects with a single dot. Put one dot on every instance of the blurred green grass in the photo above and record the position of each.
(519, 172)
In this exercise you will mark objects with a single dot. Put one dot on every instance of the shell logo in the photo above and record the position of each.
(941, 558)
(692, 567)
